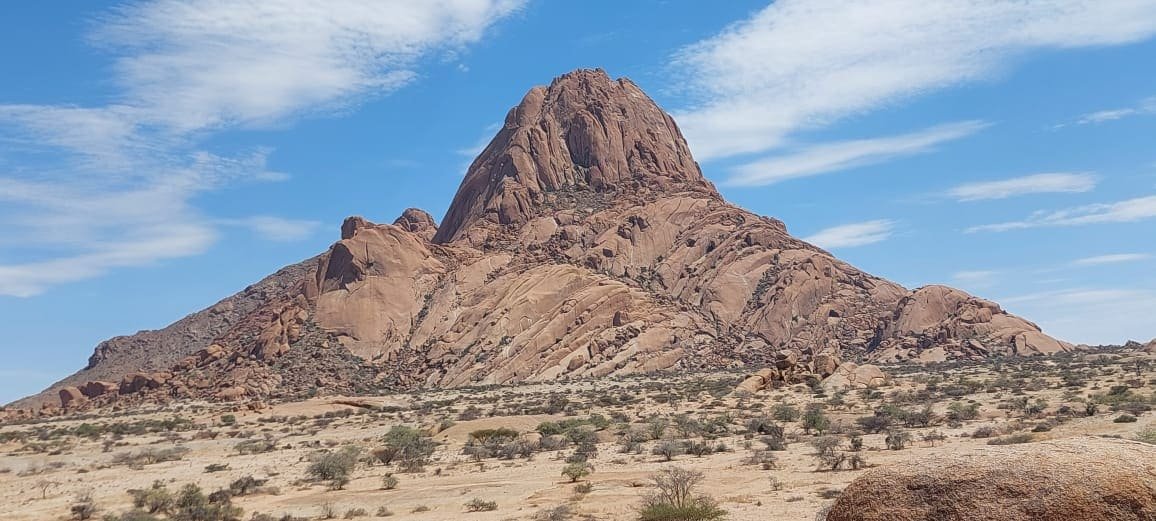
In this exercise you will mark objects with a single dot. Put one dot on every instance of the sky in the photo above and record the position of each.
(159, 155)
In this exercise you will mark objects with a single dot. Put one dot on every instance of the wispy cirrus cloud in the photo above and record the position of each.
(844, 155)
(1092, 315)
(1113, 258)
(975, 279)
(276, 228)
(766, 79)
(1130, 210)
(110, 186)
(1145, 107)
(1060, 182)
(853, 234)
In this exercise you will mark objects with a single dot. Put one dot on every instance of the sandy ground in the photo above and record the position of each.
(39, 486)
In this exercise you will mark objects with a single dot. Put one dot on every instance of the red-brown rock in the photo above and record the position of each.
(71, 397)
(583, 242)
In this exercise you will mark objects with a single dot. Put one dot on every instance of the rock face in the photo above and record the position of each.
(583, 242)
(584, 131)
(1076, 479)
(936, 320)
(850, 375)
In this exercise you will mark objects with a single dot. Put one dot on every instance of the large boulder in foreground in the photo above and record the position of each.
(1077, 479)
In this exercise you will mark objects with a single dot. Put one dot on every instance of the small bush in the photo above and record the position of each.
(83, 508)
(814, 419)
(960, 411)
(355, 512)
(480, 505)
(676, 500)
(577, 471)
(1124, 418)
(668, 449)
(897, 439)
(259, 446)
(149, 456)
(785, 413)
(1012, 439)
(558, 513)
(408, 447)
(334, 467)
(246, 485)
(153, 500)
(986, 431)
(389, 482)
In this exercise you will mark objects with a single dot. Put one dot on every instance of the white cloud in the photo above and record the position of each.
(803, 64)
(1145, 107)
(830, 157)
(1130, 210)
(106, 187)
(277, 228)
(482, 142)
(193, 64)
(973, 276)
(1114, 258)
(850, 235)
(1032, 184)
(1089, 315)
(974, 280)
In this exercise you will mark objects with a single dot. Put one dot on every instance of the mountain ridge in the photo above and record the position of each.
(584, 241)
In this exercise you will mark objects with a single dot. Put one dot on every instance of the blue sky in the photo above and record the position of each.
(157, 156)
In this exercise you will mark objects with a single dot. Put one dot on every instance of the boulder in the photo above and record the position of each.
(98, 388)
(71, 397)
(418, 222)
(852, 376)
(1076, 479)
(136, 382)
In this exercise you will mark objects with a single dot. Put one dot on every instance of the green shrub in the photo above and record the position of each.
(1012, 439)
(675, 498)
(960, 411)
(408, 447)
(334, 467)
(577, 471)
(814, 419)
(355, 512)
(897, 439)
(496, 435)
(480, 505)
(191, 504)
(153, 500)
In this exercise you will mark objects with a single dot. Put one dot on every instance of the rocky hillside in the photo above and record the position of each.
(583, 242)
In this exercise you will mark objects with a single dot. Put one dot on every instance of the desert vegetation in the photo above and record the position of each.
(648, 447)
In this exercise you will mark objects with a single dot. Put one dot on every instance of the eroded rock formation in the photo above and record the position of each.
(583, 242)
(1076, 479)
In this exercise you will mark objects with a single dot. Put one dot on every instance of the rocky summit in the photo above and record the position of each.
(584, 241)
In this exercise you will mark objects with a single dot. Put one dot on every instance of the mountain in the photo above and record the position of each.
(584, 241)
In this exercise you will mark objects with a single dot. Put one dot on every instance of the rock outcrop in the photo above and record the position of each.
(584, 131)
(584, 241)
(935, 322)
(850, 375)
(1076, 479)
